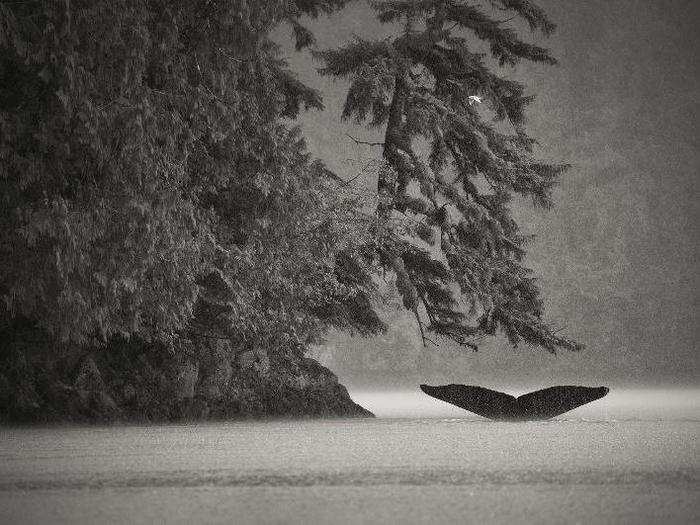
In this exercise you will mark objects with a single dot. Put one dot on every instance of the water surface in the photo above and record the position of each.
(604, 469)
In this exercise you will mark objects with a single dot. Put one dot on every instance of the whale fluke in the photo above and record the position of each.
(538, 405)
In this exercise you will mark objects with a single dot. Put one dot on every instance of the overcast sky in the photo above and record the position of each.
(617, 257)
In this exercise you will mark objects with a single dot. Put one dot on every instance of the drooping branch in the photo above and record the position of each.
(364, 143)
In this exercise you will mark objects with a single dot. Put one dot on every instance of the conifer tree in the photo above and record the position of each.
(151, 185)
(444, 221)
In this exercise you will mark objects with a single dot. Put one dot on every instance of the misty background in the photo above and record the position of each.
(616, 257)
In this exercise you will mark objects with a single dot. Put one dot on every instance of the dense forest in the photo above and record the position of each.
(170, 249)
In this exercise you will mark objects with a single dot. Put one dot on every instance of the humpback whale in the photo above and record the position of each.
(534, 406)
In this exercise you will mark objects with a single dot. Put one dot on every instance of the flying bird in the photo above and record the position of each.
(474, 99)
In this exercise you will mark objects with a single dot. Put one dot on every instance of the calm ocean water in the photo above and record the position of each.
(630, 458)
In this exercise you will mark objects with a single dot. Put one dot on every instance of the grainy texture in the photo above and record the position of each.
(617, 255)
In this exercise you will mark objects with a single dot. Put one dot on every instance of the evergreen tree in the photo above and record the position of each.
(444, 223)
(151, 185)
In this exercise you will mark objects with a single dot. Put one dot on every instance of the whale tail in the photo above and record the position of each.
(538, 405)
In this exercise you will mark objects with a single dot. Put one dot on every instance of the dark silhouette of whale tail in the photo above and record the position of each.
(538, 405)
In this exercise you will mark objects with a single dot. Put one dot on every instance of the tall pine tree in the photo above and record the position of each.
(444, 223)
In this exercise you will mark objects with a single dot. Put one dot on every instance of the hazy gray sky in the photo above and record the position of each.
(617, 257)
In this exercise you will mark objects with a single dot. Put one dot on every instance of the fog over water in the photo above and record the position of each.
(618, 405)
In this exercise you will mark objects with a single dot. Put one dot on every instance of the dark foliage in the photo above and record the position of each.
(151, 185)
(446, 228)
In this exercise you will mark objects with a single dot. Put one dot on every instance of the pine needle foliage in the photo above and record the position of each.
(445, 226)
(151, 185)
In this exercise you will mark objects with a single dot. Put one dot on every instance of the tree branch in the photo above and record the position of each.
(420, 326)
(362, 142)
